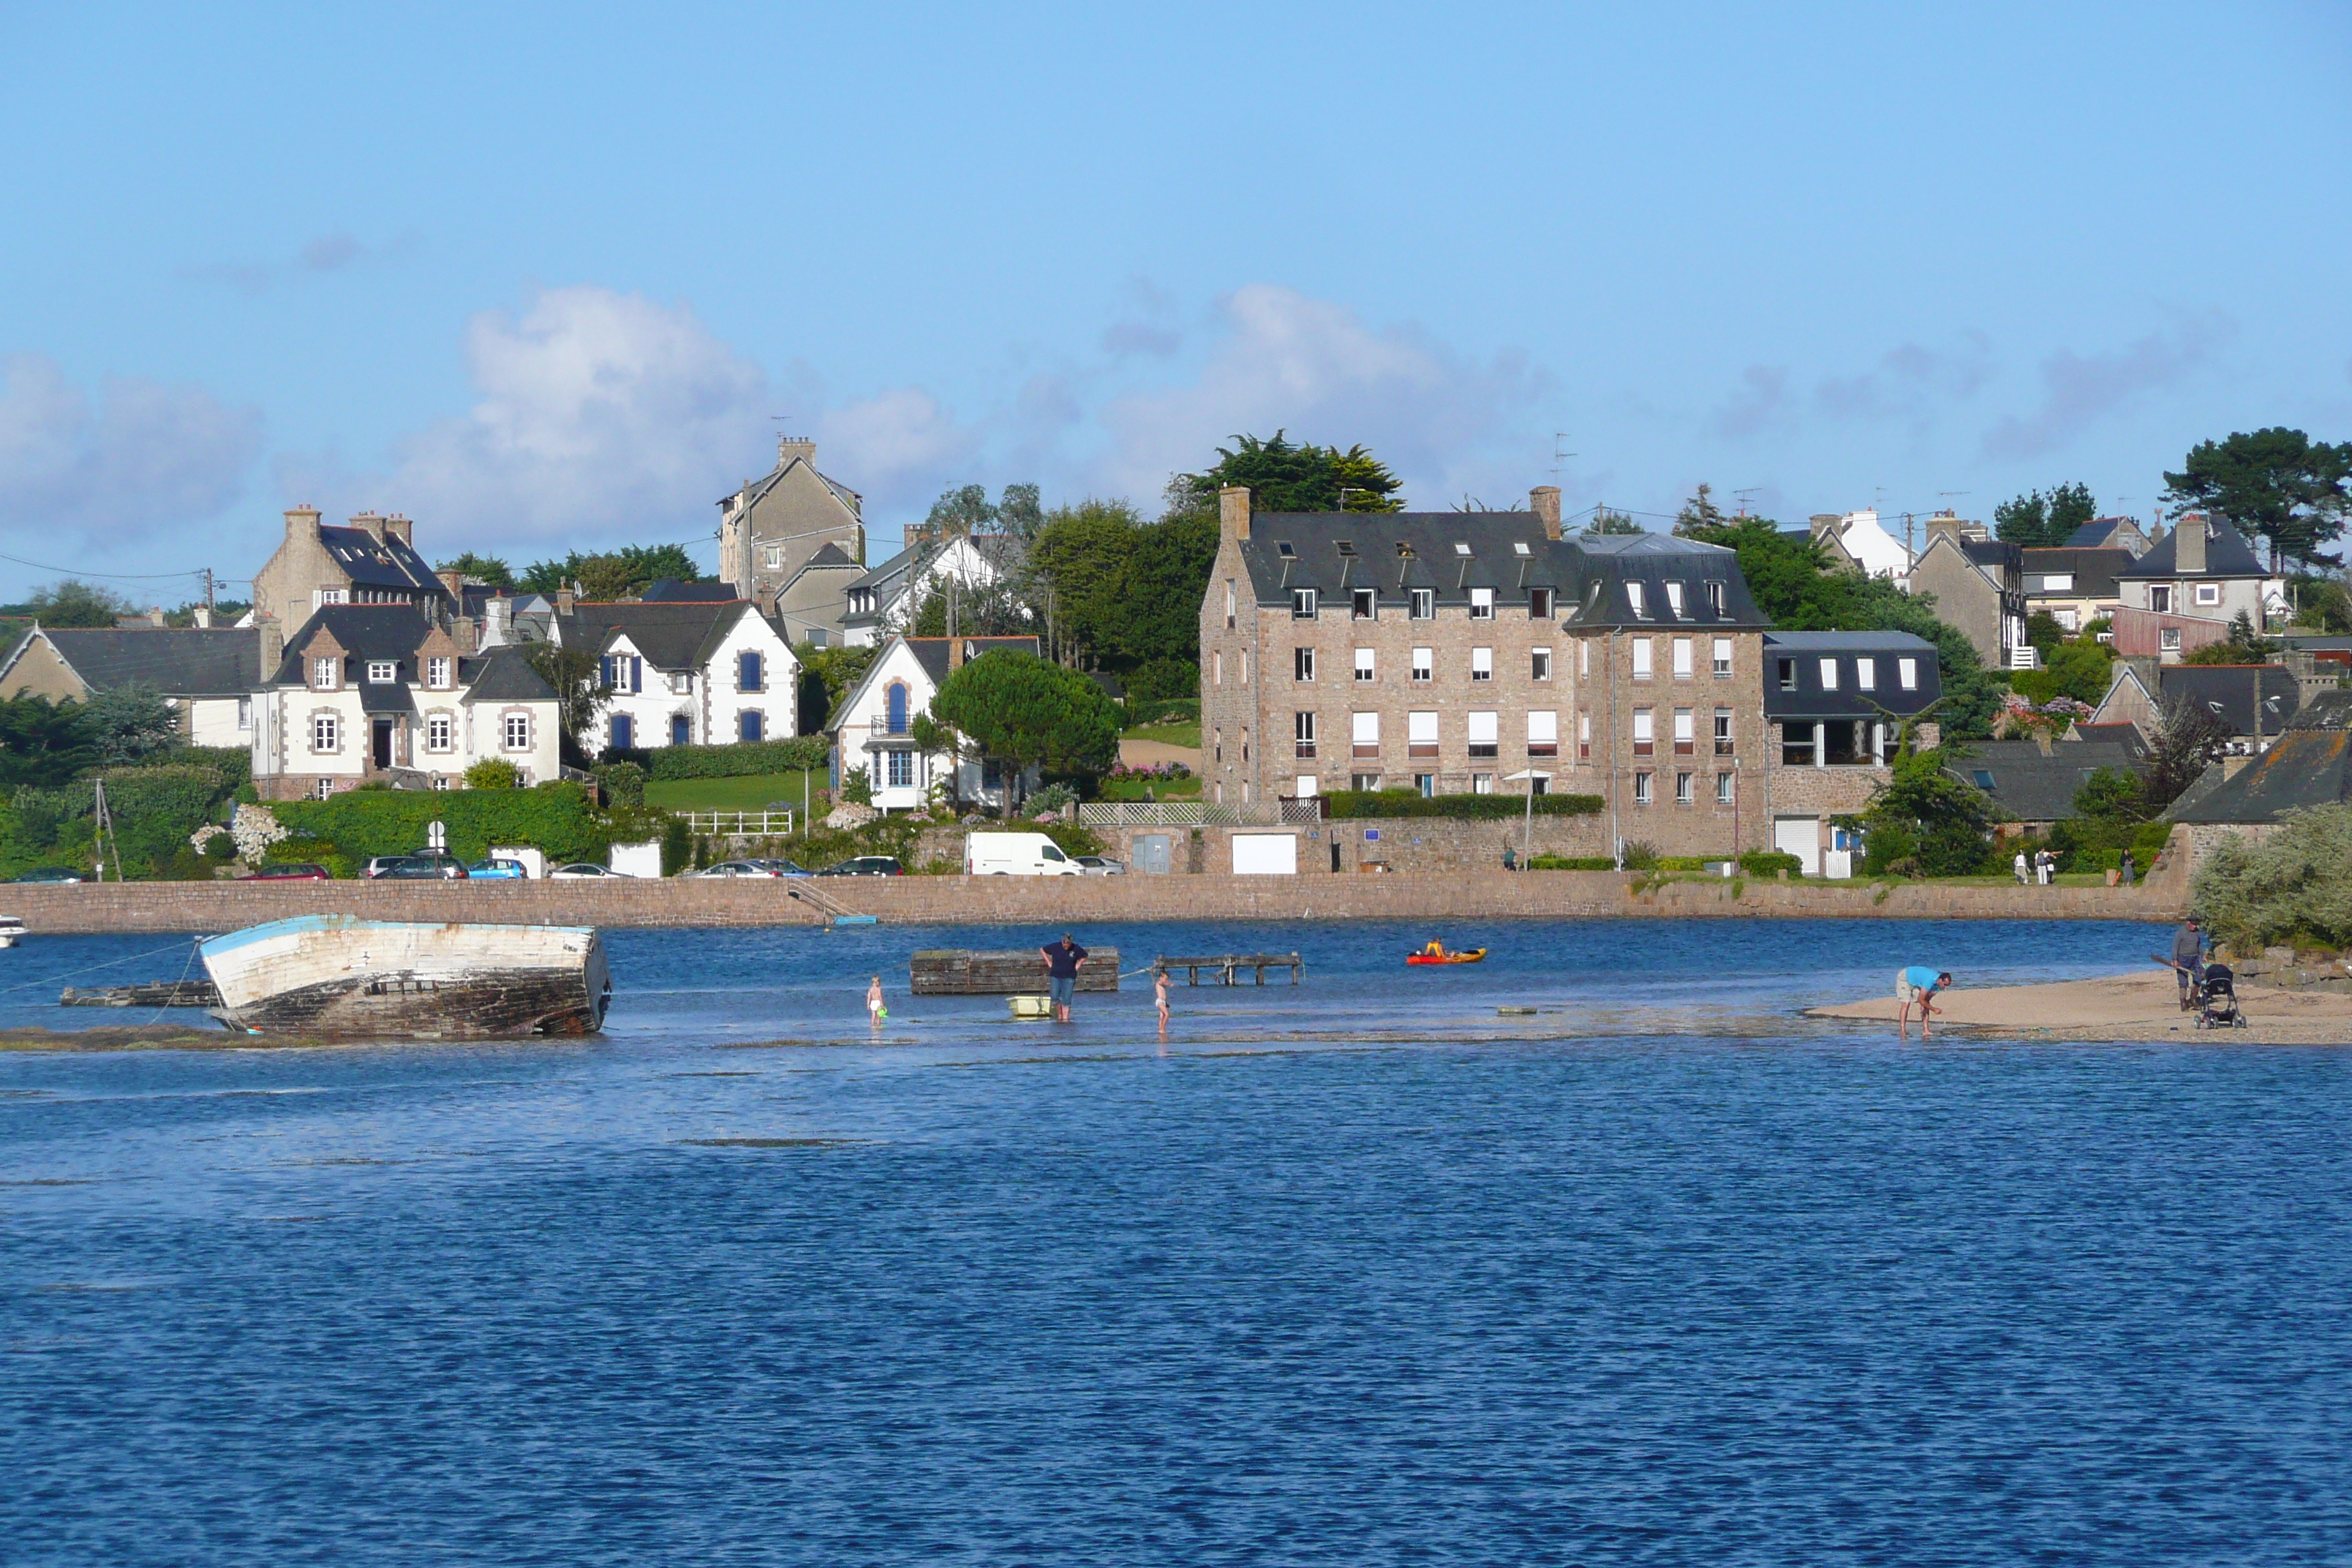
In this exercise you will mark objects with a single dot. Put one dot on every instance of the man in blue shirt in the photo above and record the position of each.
(1062, 960)
(1916, 984)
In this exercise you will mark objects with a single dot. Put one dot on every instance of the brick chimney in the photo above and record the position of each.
(791, 446)
(564, 598)
(1546, 501)
(273, 645)
(302, 523)
(371, 521)
(455, 580)
(401, 528)
(955, 654)
(2189, 546)
(1234, 512)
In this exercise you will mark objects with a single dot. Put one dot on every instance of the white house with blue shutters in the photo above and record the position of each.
(686, 674)
(874, 727)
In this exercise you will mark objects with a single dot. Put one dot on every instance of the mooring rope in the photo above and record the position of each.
(109, 963)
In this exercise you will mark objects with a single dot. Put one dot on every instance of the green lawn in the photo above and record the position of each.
(752, 791)
(1167, 734)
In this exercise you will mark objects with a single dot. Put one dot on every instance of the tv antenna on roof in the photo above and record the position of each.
(1559, 453)
(1949, 497)
(1741, 497)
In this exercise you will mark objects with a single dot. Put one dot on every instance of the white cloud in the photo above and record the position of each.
(898, 445)
(2079, 389)
(143, 457)
(1286, 361)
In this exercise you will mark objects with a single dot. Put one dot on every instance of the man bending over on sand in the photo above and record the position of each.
(2189, 959)
(1917, 984)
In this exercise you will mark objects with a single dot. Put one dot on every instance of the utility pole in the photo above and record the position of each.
(208, 593)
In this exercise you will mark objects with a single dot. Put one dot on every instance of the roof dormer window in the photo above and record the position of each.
(1634, 597)
(326, 673)
(383, 672)
(1674, 599)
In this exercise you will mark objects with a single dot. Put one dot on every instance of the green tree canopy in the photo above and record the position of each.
(611, 574)
(1287, 477)
(2037, 521)
(1699, 511)
(1607, 521)
(834, 669)
(41, 742)
(487, 569)
(71, 602)
(2188, 739)
(2277, 483)
(130, 724)
(578, 677)
(1080, 561)
(966, 509)
(1020, 711)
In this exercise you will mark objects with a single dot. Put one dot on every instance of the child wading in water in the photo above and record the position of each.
(874, 1011)
(1159, 998)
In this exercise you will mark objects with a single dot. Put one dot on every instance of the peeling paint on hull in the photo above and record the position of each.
(339, 976)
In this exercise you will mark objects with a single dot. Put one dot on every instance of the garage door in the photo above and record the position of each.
(1265, 853)
(1800, 837)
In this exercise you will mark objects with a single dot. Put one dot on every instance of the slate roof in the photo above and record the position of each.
(2121, 733)
(503, 675)
(829, 553)
(757, 490)
(701, 590)
(931, 653)
(2324, 711)
(2306, 768)
(387, 562)
(1452, 552)
(365, 631)
(2093, 571)
(1994, 555)
(1811, 701)
(386, 699)
(669, 636)
(219, 661)
(2228, 691)
(2027, 787)
(2099, 534)
(2227, 554)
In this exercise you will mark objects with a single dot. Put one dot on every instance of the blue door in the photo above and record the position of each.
(750, 726)
(681, 730)
(623, 732)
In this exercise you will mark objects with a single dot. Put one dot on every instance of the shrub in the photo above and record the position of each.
(2289, 887)
(1053, 798)
(1572, 863)
(624, 784)
(1352, 803)
(800, 753)
(1161, 710)
(1770, 863)
(220, 846)
(1639, 856)
(554, 818)
(858, 787)
(677, 847)
(494, 772)
(1164, 680)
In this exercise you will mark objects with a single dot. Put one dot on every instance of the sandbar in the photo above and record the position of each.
(2136, 1007)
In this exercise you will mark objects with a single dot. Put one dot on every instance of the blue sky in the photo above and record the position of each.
(550, 277)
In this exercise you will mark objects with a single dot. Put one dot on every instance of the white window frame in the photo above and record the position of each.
(1364, 733)
(1543, 730)
(2058, 583)
(326, 734)
(436, 673)
(1423, 605)
(1641, 658)
(1304, 604)
(1683, 667)
(2208, 592)
(1364, 604)
(1866, 674)
(1641, 788)
(1367, 666)
(1539, 664)
(513, 724)
(1482, 664)
(326, 673)
(1302, 664)
(1674, 599)
(440, 732)
(681, 683)
(1634, 597)
(1723, 788)
(1425, 664)
(1482, 604)
(245, 712)
(1723, 656)
(1685, 788)
(1906, 674)
(1829, 675)
(382, 671)
(775, 557)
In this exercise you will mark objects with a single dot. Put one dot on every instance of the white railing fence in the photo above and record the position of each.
(747, 824)
(1176, 814)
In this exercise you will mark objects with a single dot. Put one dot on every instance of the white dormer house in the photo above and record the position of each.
(687, 674)
(873, 727)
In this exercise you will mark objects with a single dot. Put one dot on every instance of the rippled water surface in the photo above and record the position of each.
(1360, 1271)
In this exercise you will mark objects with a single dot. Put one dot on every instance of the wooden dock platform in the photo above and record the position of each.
(963, 971)
(1225, 968)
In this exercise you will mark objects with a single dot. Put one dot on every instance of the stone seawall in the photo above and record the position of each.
(986, 901)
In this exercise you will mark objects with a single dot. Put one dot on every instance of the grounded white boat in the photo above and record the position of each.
(339, 974)
(12, 930)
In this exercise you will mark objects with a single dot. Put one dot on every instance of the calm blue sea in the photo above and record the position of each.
(1358, 1272)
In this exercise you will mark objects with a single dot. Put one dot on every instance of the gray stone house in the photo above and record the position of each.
(1979, 588)
(2186, 591)
(773, 527)
(373, 561)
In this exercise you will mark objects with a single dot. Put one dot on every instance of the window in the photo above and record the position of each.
(1485, 735)
(440, 780)
(1425, 664)
(1302, 604)
(1645, 739)
(1482, 784)
(2168, 640)
(1367, 666)
(334, 595)
(1364, 604)
(1641, 658)
(2159, 599)
(1723, 788)
(1541, 601)
(1866, 674)
(1424, 785)
(1229, 604)
(1641, 789)
(623, 732)
(517, 732)
(1633, 596)
(2209, 593)
(1983, 777)
(326, 732)
(382, 672)
(1682, 659)
(750, 725)
(623, 672)
(1482, 604)
(1906, 674)
(1424, 605)
(1723, 732)
(1796, 745)
(1674, 599)
(1244, 667)
(681, 730)
(1540, 662)
(1788, 675)
(1829, 675)
(681, 683)
(2068, 620)
(1543, 732)
(1584, 737)
(440, 734)
(1302, 664)
(1482, 664)
(1365, 733)
(751, 673)
(775, 557)
(1217, 662)
(1583, 657)
(321, 789)
(1365, 782)
(1723, 656)
(1303, 730)
(1217, 740)
(326, 674)
(1715, 595)
(437, 674)
(2058, 583)
(1686, 734)
(245, 712)
(1682, 793)
(1421, 734)
(901, 770)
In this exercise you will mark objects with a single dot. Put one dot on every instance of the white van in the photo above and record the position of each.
(1015, 855)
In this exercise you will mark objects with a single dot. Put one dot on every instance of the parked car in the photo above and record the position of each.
(579, 869)
(867, 866)
(376, 864)
(419, 868)
(785, 868)
(303, 871)
(1100, 866)
(498, 870)
(50, 874)
(736, 868)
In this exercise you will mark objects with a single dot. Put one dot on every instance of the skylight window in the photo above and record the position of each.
(1460, 548)
(1519, 547)
(1282, 548)
(1344, 546)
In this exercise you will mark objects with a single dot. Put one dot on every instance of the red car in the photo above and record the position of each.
(305, 872)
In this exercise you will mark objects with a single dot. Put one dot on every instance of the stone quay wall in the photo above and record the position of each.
(1060, 901)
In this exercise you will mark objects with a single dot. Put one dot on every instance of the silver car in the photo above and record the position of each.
(1100, 866)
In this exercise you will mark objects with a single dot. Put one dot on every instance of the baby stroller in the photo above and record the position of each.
(2217, 1000)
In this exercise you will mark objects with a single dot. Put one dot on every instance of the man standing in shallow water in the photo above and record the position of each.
(1063, 959)
(1918, 983)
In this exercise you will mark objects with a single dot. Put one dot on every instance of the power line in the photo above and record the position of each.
(116, 576)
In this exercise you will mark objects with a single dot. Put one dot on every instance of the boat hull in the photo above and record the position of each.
(1475, 955)
(333, 974)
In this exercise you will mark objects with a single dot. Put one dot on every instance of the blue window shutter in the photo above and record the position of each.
(749, 679)
(604, 671)
(636, 673)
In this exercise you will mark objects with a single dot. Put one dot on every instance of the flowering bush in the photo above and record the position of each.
(1125, 775)
(2018, 716)
(255, 828)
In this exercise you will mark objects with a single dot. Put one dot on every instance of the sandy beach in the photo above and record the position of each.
(2137, 1007)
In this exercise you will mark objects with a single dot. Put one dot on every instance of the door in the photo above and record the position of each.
(1265, 853)
(625, 732)
(1800, 837)
(383, 742)
(681, 730)
(1151, 854)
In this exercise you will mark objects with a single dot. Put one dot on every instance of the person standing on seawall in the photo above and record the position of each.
(1062, 960)
(2022, 878)
(1917, 985)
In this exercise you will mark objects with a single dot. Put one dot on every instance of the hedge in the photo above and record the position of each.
(802, 753)
(553, 817)
(1160, 710)
(1347, 802)
(155, 810)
